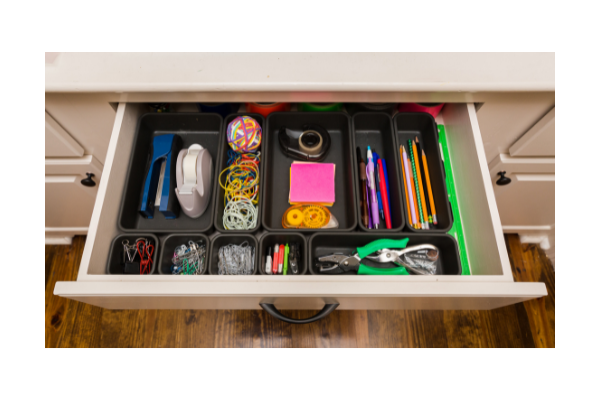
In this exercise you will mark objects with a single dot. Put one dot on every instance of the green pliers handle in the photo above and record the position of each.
(377, 245)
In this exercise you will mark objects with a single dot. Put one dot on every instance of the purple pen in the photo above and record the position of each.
(373, 190)
(370, 225)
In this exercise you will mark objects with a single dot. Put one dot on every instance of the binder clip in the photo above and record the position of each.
(160, 182)
(194, 175)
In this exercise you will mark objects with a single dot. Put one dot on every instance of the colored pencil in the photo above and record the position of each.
(417, 195)
(414, 198)
(420, 182)
(420, 151)
(405, 187)
(411, 203)
(431, 202)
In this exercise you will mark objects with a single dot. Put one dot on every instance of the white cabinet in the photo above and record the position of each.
(538, 141)
(59, 143)
(68, 202)
(490, 285)
(528, 200)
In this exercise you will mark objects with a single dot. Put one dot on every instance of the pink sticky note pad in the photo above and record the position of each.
(312, 183)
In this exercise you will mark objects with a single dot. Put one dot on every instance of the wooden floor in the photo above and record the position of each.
(73, 324)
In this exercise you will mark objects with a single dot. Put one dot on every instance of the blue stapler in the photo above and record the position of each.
(159, 187)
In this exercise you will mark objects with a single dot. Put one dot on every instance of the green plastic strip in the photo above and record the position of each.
(457, 228)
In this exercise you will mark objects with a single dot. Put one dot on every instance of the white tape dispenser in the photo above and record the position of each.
(194, 176)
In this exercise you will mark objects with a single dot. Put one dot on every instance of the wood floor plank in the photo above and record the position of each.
(60, 312)
(123, 328)
(463, 328)
(427, 328)
(196, 328)
(50, 253)
(225, 328)
(529, 264)
(361, 327)
(274, 333)
(389, 329)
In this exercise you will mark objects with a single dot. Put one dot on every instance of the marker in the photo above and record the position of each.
(387, 185)
(378, 185)
(268, 264)
(373, 190)
(285, 259)
(275, 259)
(386, 203)
(281, 256)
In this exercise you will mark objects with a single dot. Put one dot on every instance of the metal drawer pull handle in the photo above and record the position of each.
(274, 312)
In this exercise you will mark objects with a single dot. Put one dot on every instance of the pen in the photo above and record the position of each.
(275, 258)
(378, 185)
(384, 198)
(387, 185)
(371, 181)
(285, 259)
(368, 202)
(268, 268)
(281, 256)
(363, 187)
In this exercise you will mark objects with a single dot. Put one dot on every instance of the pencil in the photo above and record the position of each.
(414, 192)
(405, 187)
(421, 165)
(414, 172)
(411, 202)
(431, 202)
(420, 181)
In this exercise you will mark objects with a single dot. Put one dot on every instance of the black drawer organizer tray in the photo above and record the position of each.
(204, 129)
(383, 133)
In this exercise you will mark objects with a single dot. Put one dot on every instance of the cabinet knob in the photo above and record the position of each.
(503, 180)
(88, 181)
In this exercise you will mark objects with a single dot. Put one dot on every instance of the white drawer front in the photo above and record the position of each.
(490, 286)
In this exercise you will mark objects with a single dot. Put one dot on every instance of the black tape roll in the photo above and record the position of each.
(311, 143)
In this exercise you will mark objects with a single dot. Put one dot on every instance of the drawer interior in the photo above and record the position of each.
(170, 242)
(376, 130)
(409, 126)
(323, 244)
(203, 129)
(276, 171)
(487, 255)
(219, 191)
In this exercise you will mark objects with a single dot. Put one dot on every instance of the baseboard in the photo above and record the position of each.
(54, 240)
(63, 235)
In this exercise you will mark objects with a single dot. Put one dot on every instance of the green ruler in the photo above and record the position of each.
(457, 228)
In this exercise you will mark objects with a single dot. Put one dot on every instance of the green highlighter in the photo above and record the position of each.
(285, 259)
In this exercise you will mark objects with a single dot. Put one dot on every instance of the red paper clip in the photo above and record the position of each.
(146, 251)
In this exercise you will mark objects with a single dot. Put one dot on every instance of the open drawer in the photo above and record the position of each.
(490, 284)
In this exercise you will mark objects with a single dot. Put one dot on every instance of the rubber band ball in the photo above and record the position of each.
(244, 135)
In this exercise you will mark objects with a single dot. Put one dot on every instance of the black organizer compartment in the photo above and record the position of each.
(114, 266)
(423, 126)
(269, 239)
(321, 244)
(376, 130)
(220, 192)
(201, 128)
(276, 171)
(177, 239)
(230, 238)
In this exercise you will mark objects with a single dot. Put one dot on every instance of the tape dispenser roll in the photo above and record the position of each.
(310, 143)
(194, 177)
